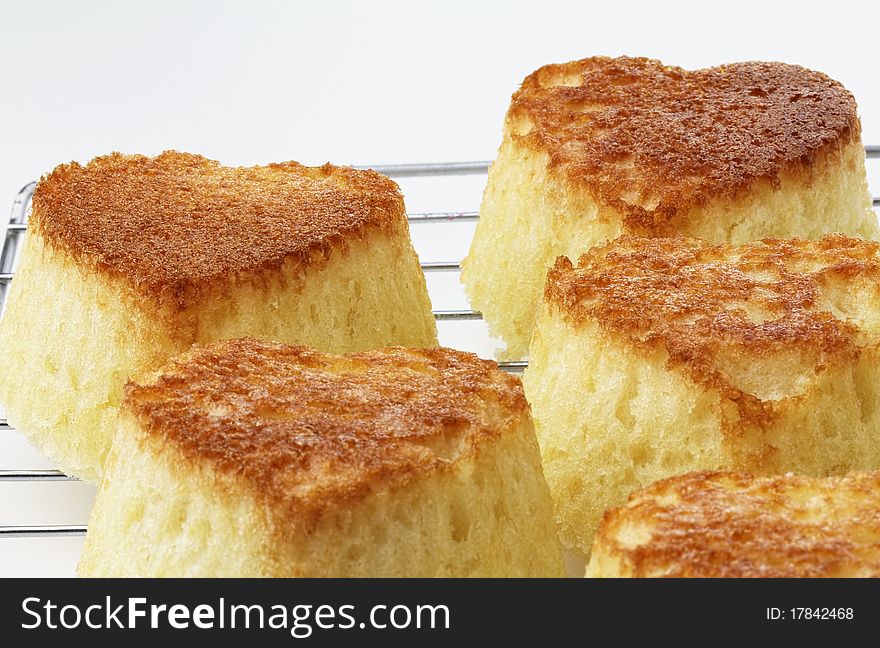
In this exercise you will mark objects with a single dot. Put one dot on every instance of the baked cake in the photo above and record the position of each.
(129, 260)
(733, 525)
(655, 357)
(602, 147)
(246, 458)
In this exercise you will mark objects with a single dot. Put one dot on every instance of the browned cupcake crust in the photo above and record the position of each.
(174, 224)
(731, 525)
(651, 141)
(310, 431)
(706, 304)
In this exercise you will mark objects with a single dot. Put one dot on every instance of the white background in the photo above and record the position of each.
(350, 82)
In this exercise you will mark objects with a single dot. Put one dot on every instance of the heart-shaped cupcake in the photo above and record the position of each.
(601, 147)
(652, 140)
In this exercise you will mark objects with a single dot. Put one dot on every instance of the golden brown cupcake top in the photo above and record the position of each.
(791, 308)
(652, 141)
(308, 431)
(730, 525)
(175, 224)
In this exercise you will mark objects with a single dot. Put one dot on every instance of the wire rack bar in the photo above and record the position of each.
(456, 315)
(430, 169)
(34, 475)
(427, 266)
(417, 217)
(43, 531)
(443, 217)
(441, 266)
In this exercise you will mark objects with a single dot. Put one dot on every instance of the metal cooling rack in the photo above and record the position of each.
(18, 225)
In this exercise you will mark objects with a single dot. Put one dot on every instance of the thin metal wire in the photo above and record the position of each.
(417, 217)
(456, 315)
(440, 266)
(427, 266)
(443, 217)
(33, 475)
(43, 531)
(430, 169)
(8, 273)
